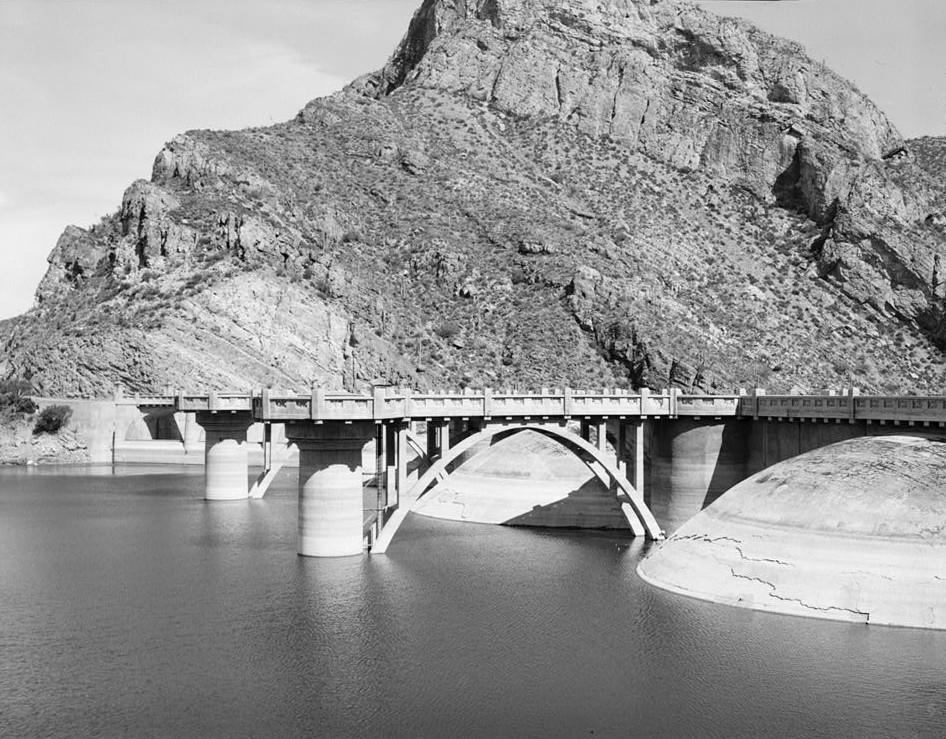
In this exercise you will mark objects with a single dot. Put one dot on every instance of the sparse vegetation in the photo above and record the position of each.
(15, 398)
(52, 418)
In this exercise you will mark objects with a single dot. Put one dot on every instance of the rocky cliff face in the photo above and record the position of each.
(530, 192)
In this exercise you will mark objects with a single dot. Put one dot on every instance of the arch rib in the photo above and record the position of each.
(634, 508)
(419, 449)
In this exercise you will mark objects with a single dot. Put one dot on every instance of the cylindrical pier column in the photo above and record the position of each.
(331, 502)
(226, 471)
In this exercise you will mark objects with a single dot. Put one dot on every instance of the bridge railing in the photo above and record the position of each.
(901, 408)
(710, 406)
(803, 406)
(146, 401)
(893, 408)
(193, 402)
(397, 403)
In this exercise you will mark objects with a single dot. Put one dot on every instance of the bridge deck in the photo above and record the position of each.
(392, 404)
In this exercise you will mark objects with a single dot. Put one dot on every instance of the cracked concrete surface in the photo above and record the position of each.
(773, 594)
(852, 532)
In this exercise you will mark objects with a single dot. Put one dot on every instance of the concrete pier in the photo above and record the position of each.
(226, 467)
(693, 462)
(331, 505)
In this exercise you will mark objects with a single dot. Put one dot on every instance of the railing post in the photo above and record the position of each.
(265, 410)
(487, 403)
(855, 392)
(756, 392)
(568, 402)
(408, 403)
(377, 402)
(317, 404)
(644, 393)
(213, 402)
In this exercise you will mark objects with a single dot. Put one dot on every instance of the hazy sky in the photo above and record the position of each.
(91, 89)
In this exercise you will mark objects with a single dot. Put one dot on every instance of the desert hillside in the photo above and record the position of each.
(581, 192)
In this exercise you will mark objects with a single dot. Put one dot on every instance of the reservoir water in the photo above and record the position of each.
(131, 607)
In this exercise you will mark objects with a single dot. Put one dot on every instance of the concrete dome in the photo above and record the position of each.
(852, 531)
(526, 479)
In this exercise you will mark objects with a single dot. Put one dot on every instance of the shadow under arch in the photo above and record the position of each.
(421, 461)
(635, 510)
(152, 425)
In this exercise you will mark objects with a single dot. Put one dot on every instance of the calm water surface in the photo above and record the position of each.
(129, 606)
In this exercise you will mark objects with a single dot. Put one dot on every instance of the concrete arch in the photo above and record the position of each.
(635, 510)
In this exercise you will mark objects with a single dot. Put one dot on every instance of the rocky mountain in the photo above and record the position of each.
(530, 192)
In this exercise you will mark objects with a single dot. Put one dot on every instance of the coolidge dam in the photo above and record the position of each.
(661, 456)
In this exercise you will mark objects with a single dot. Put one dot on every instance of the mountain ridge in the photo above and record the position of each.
(684, 201)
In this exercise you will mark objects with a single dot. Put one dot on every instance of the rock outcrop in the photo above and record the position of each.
(587, 192)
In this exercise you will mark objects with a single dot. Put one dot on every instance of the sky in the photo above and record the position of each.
(91, 89)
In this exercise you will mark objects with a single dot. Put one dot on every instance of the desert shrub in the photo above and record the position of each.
(52, 418)
(447, 330)
(15, 397)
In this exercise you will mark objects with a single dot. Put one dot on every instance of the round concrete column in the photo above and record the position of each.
(226, 471)
(692, 464)
(331, 498)
(331, 506)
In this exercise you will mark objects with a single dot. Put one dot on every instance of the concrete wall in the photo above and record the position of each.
(125, 434)
(94, 423)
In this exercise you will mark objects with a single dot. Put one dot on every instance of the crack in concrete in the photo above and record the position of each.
(762, 559)
(707, 539)
(799, 601)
